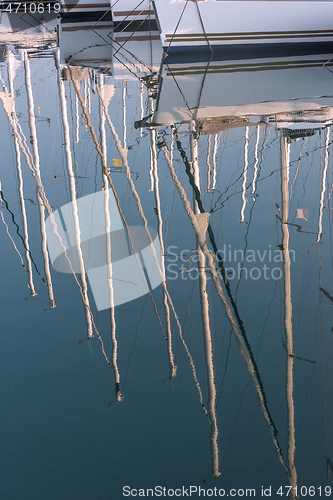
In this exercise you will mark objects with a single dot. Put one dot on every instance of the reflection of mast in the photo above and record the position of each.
(141, 107)
(285, 164)
(166, 296)
(20, 188)
(323, 188)
(33, 132)
(298, 165)
(172, 365)
(108, 246)
(89, 95)
(73, 196)
(208, 162)
(214, 161)
(256, 160)
(85, 95)
(241, 340)
(123, 156)
(211, 407)
(77, 137)
(124, 114)
(153, 157)
(208, 344)
(246, 162)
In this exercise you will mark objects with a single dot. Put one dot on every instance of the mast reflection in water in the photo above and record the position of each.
(218, 375)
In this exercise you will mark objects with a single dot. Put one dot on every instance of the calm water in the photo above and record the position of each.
(220, 376)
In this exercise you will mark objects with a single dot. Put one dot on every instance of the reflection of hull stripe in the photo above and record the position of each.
(126, 13)
(76, 6)
(96, 27)
(248, 38)
(249, 33)
(145, 38)
(247, 67)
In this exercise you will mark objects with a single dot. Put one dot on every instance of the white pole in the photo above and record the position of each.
(20, 187)
(108, 245)
(72, 187)
(33, 132)
(246, 163)
(285, 166)
(323, 187)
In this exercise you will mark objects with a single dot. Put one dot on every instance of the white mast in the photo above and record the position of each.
(124, 115)
(141, 106)
(207, 335)
(246, 163)
(242, 346)
(33, 132)
(215, 161)
(153, 156)
(108, 243)
(323, 187)
(77, 132)
(84, 291)
(123, 155)
(208, 344)
(20, 185)
(85, 86)
(208, 163)
(172, 365)
(285, 165)
(89, 95)
(256, 160)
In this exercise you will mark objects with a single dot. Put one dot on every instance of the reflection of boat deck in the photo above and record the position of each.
(220, 89)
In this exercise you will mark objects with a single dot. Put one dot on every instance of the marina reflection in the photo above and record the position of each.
(206, 130)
